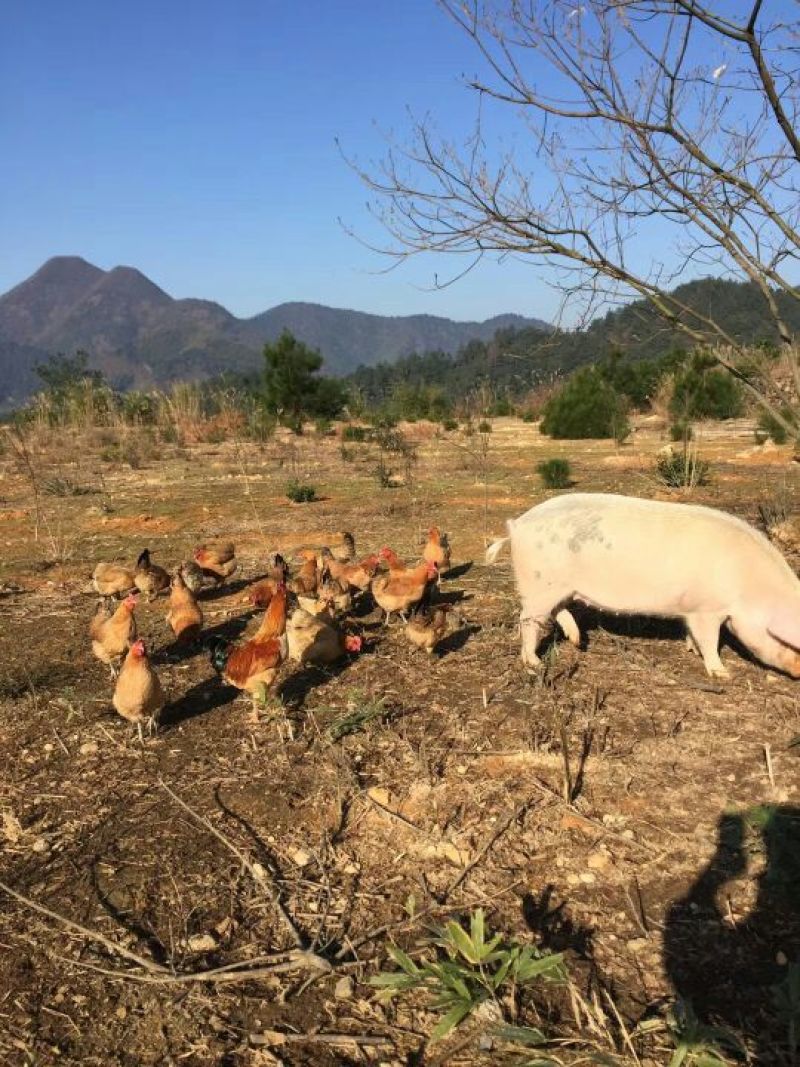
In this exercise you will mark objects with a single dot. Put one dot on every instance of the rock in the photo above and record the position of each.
(588, 878)
(343, 990)
(637, 944)
(88, 748)
(598, 861)
(301, 857)
(40, 845)
(202, 943)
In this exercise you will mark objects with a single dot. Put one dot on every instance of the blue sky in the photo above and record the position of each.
(197, 142)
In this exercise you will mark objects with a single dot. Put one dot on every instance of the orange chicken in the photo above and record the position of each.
(345, 551)
(185, 615)
(427, 626)
(306, 580)
(138, 696)
(262, 592)
(255, 663)
(148, 577)
(217, 560)
(401, 591)
(112, 579)
(318, 639)
(356, 575)
(111, 634)
(437, 549)
(392, 560)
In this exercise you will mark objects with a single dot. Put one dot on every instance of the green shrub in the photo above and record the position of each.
(354, 433)
(703, 390)
(448, 425)
(680, 430)
(555, 473)
(682, 470)
(323, 427)
(586, 406)
(770, 426)
(484, 426)
(528, 416)
(300, 493)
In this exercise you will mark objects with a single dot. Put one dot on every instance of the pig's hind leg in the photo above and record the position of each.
(704, 635)
(566, 620)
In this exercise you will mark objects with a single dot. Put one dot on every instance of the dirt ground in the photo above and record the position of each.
(620, 807)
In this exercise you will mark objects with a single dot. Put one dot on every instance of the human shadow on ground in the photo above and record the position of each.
(742, 974)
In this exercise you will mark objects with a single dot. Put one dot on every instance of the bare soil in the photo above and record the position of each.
(608, 808)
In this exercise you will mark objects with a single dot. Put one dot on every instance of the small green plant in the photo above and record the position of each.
(528, 416)
(681, 430)
(357, 434)
(462, 970)
(448, 425)
(484, 426)
(769, 426)
(696, 1044)
(60, 486)
(323, 427)
(360, 712)
(384, 475)
(555, 473)
(682, 470)
(300, 493)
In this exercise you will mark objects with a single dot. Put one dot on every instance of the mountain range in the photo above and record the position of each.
(140, 337)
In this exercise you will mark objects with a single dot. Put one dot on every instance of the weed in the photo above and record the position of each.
(681, 430)
(301, 493)
(448, 425)
(484, 426)
(360, 712)
(528, 416)
(464, 970)
(61, 486)
(696, 1044)
(384, 475)
(769, 426)
(775, 509)
(355, 433)
(555, 473)
(682, 469)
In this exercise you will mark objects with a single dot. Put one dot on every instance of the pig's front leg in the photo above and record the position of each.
(704, 632)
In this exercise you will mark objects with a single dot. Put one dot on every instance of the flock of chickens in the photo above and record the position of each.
(303, 613)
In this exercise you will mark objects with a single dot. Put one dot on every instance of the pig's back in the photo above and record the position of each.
(683, 546)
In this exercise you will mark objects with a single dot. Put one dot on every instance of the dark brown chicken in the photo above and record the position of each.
(427, 626)
(149, 578)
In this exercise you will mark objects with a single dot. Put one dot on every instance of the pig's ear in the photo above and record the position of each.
(784, 626)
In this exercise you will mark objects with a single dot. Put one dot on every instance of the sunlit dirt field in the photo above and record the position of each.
(578, 808)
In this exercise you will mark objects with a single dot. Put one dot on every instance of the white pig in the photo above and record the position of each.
(647, 557)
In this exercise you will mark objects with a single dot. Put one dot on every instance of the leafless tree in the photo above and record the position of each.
(660, 137)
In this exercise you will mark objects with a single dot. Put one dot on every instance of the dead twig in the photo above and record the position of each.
(260, 876)
(279, 1037)
(486, 848)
